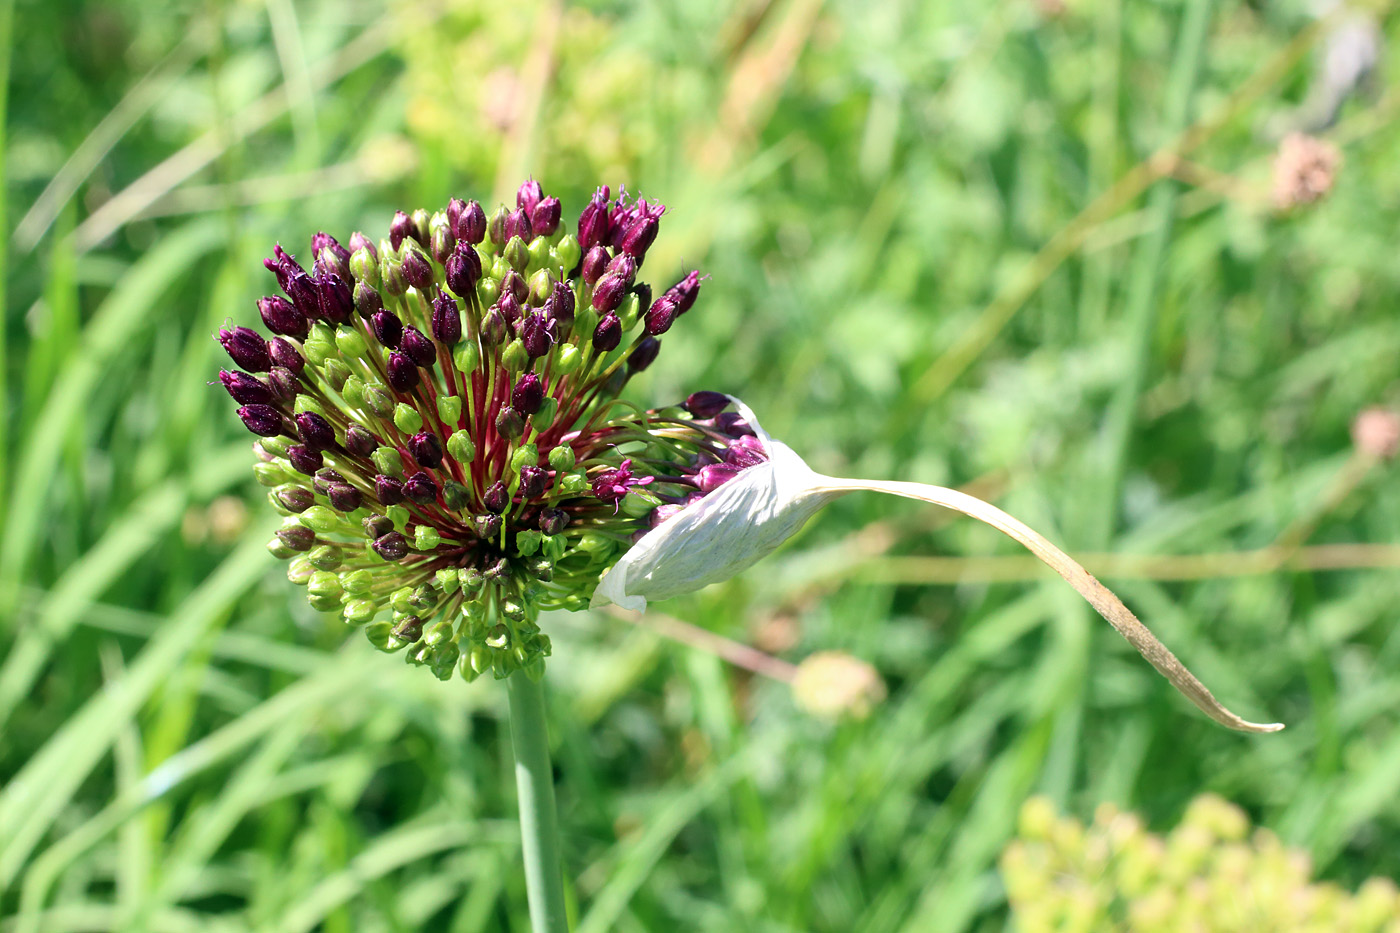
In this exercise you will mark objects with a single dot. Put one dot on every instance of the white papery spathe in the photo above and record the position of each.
(748, 517)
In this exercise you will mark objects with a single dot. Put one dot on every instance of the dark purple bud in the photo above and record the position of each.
(443, 242)
(403, 374)
(283, 384)
(535, 335)
(323, 479)
(304, 294)
(336, 300)
(426, 449)
(685, 291)
(421, 489)
(388, 329)
(744, 455)
(533, 481)
(706, 404)
(359, 241)
(295, 499)
(662, 512)
(344, 497)
(283, 265)
(417, 269)
(515, 285)
(487, 525)
(509, 306)
(463, 270)
(644, 354)
(245, 389)
(593, 222)
(315, 431)
(595, 262)
(455, 208)
(284, 354)
(624, 267)
(510, 423)
(662, 315)
(368, 301)
(733, 424)
(493, 328)
(553, 521)
(304, 459)
(471, 226)
(528, 394)
(408, 630)
(400, 228)
(377, 526)
(495, 498)
(246, 349)
(518, 224)
(714, 476)
(388, 490)
(281, 317)
(394, 546)
(496, 226)
(608, 334)
(608, 293)
(359, 441)
(297, 537)
(418, 347)
(545, 217)
(262, 420)
(447, 320)
(331, 254)
(559, 306)
(642, 232)
(528, 195)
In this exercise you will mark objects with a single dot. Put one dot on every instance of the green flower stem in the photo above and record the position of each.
(539, 825)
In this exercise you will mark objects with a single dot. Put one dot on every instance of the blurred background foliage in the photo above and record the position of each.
(1055, 251)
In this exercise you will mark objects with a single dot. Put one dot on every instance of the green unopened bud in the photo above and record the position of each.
(566, 252)
(638, 503)
(554, 546)
(299, 571)
(354, 392)
(398, 600)
(350, 342)
(561, 458)
(543, 569)
(319, 346)
(280, 549)
(465, 668)
(365, 268)
(323, 520)
(425, 538)
(455, 496)
(357, 582)
(461, 447)
(574, 483)
(388, 460)
(512, 610)
(275, 446)
(466, 356)
(390, 270)
(514, 357)
(543, 419)
(524, 455)
(379, 634)
(325, 557)
(449, 408)
(398, 515)
(271, 474)
(407, 419)
(438, 632)
(517, 254)
(324, 583)
(500, 268)
(538, 252)
(527, 542)
(360, 611)
(323, 603)
(627, 314)
(471, 579)
(488, 289)
(541, 285)
(447, 580)
(567, 359)
(305, 403)
(423, 598)
(378, 400)
(336, 373)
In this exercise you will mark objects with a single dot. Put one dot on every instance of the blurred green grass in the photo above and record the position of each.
(935, 255)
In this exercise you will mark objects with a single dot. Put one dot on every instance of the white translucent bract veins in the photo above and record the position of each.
(750, 516)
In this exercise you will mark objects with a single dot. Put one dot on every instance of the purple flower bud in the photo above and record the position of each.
(447, 320)
(246, 349)
(315, 431)
(624, 267)
(493, 328)
(593, 222)
(685, 291)
(528, 394)
(463, 270)
(662, 512)
(388, 490)
(377, 526)
(510, 423)
(344, 497)
(608, 333)
(487, 525)
(471, 226)
(545, 216)
(283, 265)
(535, 335)
(518, 225)
(612, 485)
(642, 232)
(284, 354)
(283, 384)
(528, 195)
(417, 269)
(426, 449)
(421, 489)
(714, 476)
(297, 537)
(408, 630)
(368, 301)
(733, 424)
(336, 301)
(295, 499)
(608, 293)
(392, 546)
(331, 254)
(359, 441)
(305, 460)
(595, 263)
(403, 374)
(443, 242)
(509, 306)
(281, 317)
(533, 481)
(388, 329)
(324, 477)
(495, 498)
(744, 453)
(662, 315)
(559, 306)
(400, 228)
(706, 404)
(304, 294)
(553, 521)
(514, 284)
(644, 354)
(262, 420)
(245, 389)
(359, 241)
(418, 347)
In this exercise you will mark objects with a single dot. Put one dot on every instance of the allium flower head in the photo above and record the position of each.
(439, 422)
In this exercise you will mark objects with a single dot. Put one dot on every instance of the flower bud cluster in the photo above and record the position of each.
(1209, 873)
(439, 422)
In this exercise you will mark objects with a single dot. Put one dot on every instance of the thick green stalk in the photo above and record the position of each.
(539, 825)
